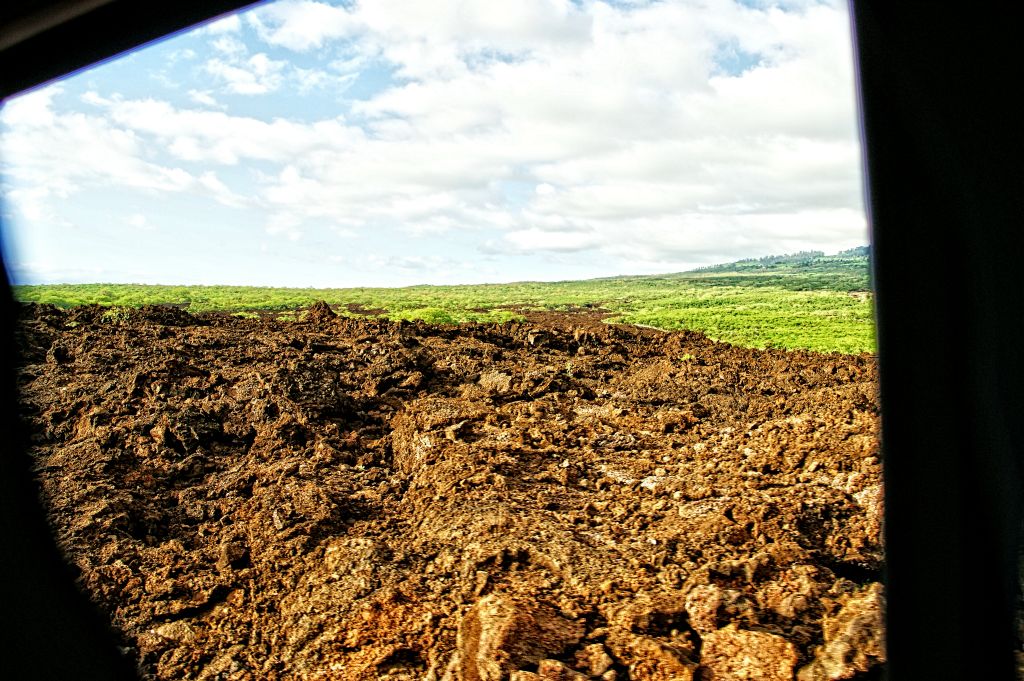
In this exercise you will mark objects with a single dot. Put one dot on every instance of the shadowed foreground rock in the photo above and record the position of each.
(360, 499)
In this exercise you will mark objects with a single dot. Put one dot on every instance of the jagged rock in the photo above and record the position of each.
(502, 634)
(702, 604)
(495, 382)
(178, 632)
(854, 639)
(594, 659)
(232, 554)
(733, 654)
(336, 497)
(320, 311)
(553, 670)
(649, 658)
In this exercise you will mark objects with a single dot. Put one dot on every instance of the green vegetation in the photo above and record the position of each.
(805, 300)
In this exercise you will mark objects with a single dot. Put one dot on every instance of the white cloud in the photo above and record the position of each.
(558, 126)
(94, 98)
(185, 54)
(204, 98)
(242, 73)
(634, 122)
(50, 157)
(220, 192)
(284, 224)
(254, 75)
(308, 80)
(229, 24)
(532, 240)
(34, 202)
(300, 24)
(229, 46)
(34, 109)
(412, 263)
(219, 138)
(139, 221)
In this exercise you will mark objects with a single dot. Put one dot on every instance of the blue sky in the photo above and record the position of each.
(391, 142)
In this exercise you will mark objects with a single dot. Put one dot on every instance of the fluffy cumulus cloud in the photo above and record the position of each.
(58, 156)
(301, 24)
(229, 24)
(244, 74)
(650, 133)
(641, 142)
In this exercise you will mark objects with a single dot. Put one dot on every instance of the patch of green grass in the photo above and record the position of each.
(806, 300)
(116, 314)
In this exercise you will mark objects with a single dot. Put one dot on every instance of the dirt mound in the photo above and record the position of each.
(363, 499)
(320, 311)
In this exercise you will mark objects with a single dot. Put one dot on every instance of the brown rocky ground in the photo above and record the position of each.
(361, 499)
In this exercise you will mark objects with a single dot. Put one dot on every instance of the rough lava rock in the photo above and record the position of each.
(732, 654)
(854, 638)
(358, 499)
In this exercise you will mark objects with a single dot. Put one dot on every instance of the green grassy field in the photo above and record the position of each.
(806, 300)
